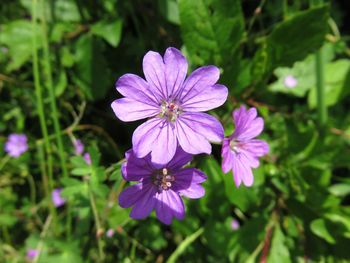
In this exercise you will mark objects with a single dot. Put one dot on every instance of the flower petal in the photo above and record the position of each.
(154, 70)
(131, 110)
(247, 124)
(241, 172)
(135, 87)
(207, 98)
(189, 140)
(204, 124)
(145, 135)
(200, 79)
(134, 169)
(180, 159)
(175, 70)
(227, 156)
(145, 204)
(257, 148)
(164, 147)
(187, 182)
(130, 195)
(168, 205)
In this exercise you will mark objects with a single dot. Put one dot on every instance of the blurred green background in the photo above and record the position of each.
(59, 60)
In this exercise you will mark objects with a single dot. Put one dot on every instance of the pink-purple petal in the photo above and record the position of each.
(257, 147)
(169, 205)
(130, 195)
(144, 205)
(189, 140)
(242, 172)
(154, 70)
(188, 182)
(204, 124)
(144, 136)
(227, 156)
(206, 98)
(180, 159)
(135, 87)
(199, 80)
(136, 168)
(164, 147)
(131, 110)
(175, 70)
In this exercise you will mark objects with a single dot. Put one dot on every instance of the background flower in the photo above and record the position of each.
(57, 199)
(240, 151)
(16, 145)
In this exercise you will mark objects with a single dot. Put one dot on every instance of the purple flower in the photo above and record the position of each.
(235, 224)
(173, 104)
(240, 151)
(16, 144)
(159, 187)
(32, 253)
(110, 233)
(57, 198)
(290, 81)
(87, 158)
(78, 147)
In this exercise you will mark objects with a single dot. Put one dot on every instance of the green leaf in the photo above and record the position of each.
(292, 40)
(92, 71)
(17, 37)
(81, 171)
(212, 31)
(340, 189)
(335, 77)
(170, 10)
(319, 228)
(279, 251)
(109, 31)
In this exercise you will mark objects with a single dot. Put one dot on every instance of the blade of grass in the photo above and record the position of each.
(182, 247)
(49, 83)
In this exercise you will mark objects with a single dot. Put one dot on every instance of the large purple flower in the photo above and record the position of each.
(240, 151)
(159, 186)
(173, 105)
(16, 144)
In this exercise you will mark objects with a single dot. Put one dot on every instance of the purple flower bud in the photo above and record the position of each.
(87, 158)
(290, 81)
(78, 147)
(16, 144)
(110, 233)
(32, 253)
(57, 198)
(234, 224)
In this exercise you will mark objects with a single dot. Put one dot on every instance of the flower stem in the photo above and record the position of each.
(48, 72)
(97, 222)
(39, 96)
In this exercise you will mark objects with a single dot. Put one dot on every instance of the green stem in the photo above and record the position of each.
(181, 248)
(38, 94)
(320, 90)
(48, 71)
(97, 222)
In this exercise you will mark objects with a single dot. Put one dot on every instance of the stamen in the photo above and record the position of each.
(163, 180)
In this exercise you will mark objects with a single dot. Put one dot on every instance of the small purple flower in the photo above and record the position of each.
(235, 224)
(160, 187)
(240, 151)
(32, 253)
(173, 104)
(87, 158)
(110, 233)
(16, 144)
(290, 81)
(78, 147)
(57, 198)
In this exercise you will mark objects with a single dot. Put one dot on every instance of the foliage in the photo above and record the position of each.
(298, 208)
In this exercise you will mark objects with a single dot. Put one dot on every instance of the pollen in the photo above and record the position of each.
(170, 110)
(163, 180)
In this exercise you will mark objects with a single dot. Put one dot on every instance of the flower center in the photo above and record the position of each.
(163, 179)
(235, 145)
(170, 110)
